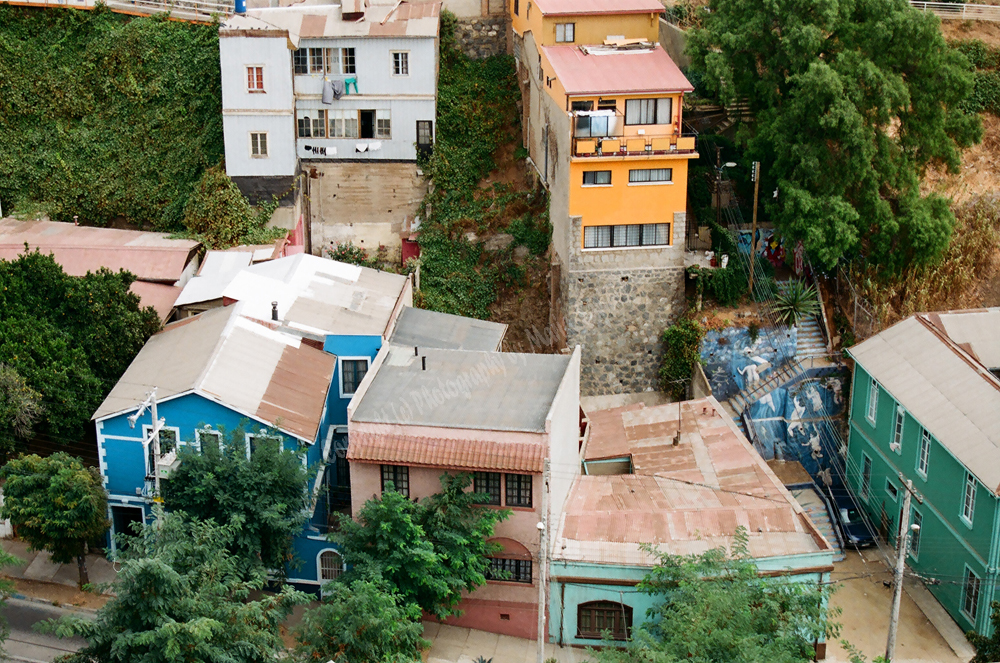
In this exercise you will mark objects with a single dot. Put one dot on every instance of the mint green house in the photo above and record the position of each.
(925, 406)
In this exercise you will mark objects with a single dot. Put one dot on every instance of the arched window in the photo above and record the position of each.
(596, 617)
(330, 565)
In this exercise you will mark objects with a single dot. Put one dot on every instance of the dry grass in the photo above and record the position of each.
(980, 170)
(988, 31)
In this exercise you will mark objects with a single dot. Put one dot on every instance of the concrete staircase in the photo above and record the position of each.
(810, 341)
(815, 508)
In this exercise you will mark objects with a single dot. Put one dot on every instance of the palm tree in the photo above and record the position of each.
(795, 302)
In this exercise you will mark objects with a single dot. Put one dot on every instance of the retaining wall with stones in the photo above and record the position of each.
(482, 37)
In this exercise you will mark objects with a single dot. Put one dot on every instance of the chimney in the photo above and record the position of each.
(274, 310)
(423, 363)
(415, 351)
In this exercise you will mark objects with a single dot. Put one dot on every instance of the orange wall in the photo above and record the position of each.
(633, 130)
(621, 203)
(588, 29)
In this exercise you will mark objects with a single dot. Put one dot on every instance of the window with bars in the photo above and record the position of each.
(648, 111)
(872, 400)
(596, 177)
(518, 489)
(595, 618)
(487, 483)
(923, 455)
(383, 124)
(970, 595)
(258, 145)
(645, 234)
(330, 565)
(509, 570)
(352, 372)
(565, 32)
(650, 175)
(255, 79)
(969, 498)
(866, 477)
(400, 63)
(399, 476)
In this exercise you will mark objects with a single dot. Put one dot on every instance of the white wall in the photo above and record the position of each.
(404, 114)
(564, 438)
(280, 144)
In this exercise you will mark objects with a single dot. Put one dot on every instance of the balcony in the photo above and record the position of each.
(605, 134)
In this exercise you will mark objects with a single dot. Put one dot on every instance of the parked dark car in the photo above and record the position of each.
(855, 531)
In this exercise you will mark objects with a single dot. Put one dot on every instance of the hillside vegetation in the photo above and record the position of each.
(106, 116)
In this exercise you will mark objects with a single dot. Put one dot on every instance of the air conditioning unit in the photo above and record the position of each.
(166, 464)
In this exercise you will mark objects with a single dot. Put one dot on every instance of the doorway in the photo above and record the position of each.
(425, 137)
(122, 518)
(367, 124)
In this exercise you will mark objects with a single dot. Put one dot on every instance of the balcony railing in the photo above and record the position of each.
(630, 146)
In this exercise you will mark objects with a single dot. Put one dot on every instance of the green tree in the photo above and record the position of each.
(56, 504)
(681, 349)
(180, 597)
(851, 100)
(20, 407)
(715, 608)
(267, 494)
(366, 620)
(219, 215)
(7, 588)
(431, 550)
(987, 648)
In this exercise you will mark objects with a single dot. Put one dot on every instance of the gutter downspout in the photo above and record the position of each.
(562, 609)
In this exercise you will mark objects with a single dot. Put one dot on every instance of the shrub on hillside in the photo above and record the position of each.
(219, 215)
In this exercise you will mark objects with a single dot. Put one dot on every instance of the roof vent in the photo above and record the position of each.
(274, 310)
(423, 363)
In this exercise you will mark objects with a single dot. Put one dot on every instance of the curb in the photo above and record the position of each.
(45, 602)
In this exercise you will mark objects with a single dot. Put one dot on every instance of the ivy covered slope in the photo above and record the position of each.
(104, 115)
(477, 121)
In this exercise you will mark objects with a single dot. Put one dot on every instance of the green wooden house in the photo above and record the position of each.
(925, 406)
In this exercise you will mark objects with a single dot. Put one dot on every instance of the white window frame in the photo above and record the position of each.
(872, 413)
(924, 453)
(913, 549)
(651, 182)
(262, 434)
(267, 141)
(146, 429)
(382, 115)
(568, 31)
(969, 488)
(610, 181)
(206, 430)
(340, 372)
(400, 69)
(965, 588)
(339, 118)
(866, 485)
(319, 565)
(263, 84)
(898, 423)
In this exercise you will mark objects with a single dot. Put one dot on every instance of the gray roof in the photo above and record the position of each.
(419, 327)
(238, 362)
(944, 385)
(319, 295)
(460, 389)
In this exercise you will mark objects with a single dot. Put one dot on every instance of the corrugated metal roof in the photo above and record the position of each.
(238, 362)
(81, 249)
(461, 389)
(319, 295)
(319, 20)
(158, 295)
(417, 327)
(590, 7)
(609, 71)
(944, 387)
(479, 455)
(686, 498)
(218, 269)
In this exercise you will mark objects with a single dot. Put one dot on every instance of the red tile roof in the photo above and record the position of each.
(600, 70)
(588, 7)
(439, 452)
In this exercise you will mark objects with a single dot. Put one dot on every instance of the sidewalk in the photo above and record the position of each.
(38, 576)
(453, 644)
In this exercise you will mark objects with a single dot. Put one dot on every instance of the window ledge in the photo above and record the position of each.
(649, 183)
(966, 521)
(596, 186)
(647, 247)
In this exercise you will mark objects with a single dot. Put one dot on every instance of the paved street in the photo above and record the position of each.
(24, 643)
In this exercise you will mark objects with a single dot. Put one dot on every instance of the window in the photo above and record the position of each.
(258, 145)
(399, 476)
(487, 483)
(891, 489)
(352, 372)
(343, 123)
(645, 234)
(923, 455)
(648, 111)
(645, 175)
(519, 490)
(425, 132)
(970, 595)
(897, 432)
(607, 104)
(969, 498)
(517, 6)
(300, 59)
(510, 570)
(596, 617)
(918, 520)
(324, 61)
(208, 440)
(316, 65)
(872, 401)
(330, 565)
(383, 124)
(255, 79)
(401, 64)
(866, 477)
(347, 61)
(312, 123)
(592, 126)
(254, 440)
(596, 177)
(565, 32)
(168, 442)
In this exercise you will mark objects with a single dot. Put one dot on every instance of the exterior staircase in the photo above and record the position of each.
(815, 507)
(810, 341)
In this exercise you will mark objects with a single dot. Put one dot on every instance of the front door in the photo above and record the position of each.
(367, 124)
(425, 137)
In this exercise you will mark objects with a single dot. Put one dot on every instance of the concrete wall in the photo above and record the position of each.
(365, 203)
(674, 41)
(564, 439)
(481, 37)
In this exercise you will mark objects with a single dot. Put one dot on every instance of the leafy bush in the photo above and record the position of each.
(985, 93)
(532, 232)
(980, 55)
(356, 255)
(106, 115)
(219, 215)
(681, 349)
(795, 302)
(728, 286)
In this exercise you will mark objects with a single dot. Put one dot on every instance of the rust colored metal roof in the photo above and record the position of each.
(82, 249)
(590, 7)
(686, 498)
(482, 455)
(158, 295)
(605, 70)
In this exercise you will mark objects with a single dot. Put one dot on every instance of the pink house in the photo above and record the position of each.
(422, 412)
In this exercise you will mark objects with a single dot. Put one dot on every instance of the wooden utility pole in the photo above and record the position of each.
(753, 229)
(901, 546)
(543, 558)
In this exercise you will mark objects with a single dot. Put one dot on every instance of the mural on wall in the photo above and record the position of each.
(769, 245)
(734, 360)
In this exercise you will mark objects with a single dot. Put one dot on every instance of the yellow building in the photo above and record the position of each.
(603, 124)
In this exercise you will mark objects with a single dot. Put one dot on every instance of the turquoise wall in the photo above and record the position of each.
(347, 347)
(947, 543)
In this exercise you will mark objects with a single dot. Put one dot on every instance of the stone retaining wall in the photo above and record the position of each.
(482, 37)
